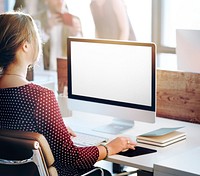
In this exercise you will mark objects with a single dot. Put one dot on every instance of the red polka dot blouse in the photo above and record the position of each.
(34, 108)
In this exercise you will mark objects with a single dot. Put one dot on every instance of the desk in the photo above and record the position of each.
(87, 122)
(183, 164)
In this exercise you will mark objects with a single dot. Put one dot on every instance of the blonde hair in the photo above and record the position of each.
(16, 28)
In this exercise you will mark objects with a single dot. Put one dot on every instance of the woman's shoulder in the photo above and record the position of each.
(38, 89)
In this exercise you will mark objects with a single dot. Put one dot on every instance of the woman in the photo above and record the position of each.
(30, 107)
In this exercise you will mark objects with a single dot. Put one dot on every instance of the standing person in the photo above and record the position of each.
(56, 25)
(29, 107)
(111, 20)
(28, 6)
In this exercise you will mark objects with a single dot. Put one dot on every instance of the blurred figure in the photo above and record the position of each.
(56, 25)
(111, 20)
(28, 6)
(19, 4)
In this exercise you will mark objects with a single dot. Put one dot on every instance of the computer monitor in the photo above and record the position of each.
(188, 50)
(113, 78)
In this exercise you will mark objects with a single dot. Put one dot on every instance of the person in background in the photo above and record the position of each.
(56, 25)
(29, 6)
(29, 107)
(111, 20)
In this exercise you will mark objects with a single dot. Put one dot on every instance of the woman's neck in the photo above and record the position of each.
(14, 75)
(16, 70)
(12, 79)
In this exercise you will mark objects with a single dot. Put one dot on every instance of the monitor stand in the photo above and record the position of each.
(116, 127)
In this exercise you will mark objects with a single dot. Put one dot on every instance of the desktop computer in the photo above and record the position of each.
(112, 78)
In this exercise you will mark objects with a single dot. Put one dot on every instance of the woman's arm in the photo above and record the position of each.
(51, 125)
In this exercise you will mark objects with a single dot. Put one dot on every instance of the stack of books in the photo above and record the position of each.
(162, 137)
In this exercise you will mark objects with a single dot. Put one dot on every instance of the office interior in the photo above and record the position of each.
(154, 21)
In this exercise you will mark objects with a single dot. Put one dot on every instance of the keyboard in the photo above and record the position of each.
(83, 139)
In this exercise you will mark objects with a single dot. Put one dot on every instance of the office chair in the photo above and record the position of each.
(27, 154)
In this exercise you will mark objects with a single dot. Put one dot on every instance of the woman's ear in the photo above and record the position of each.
(25, 46)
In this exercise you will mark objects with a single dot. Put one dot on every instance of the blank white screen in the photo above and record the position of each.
(115, 72)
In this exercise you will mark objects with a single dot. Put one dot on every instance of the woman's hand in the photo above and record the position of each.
(71, 132)
(115, 146)
(119, 144)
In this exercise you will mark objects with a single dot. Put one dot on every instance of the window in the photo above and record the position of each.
(179, 14)
(152, 20)
(169, 15)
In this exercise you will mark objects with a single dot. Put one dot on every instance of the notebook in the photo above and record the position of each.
(162, 137)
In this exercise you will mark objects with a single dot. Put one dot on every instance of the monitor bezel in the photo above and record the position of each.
(152, 107)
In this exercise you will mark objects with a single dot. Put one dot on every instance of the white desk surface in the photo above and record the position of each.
(86, 123)
(185, 164)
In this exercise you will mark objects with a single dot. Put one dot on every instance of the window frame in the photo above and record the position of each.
(157, 27)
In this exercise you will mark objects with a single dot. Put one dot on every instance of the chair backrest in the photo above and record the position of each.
(25, 153)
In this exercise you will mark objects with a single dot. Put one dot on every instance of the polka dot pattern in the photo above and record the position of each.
(34, 108)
